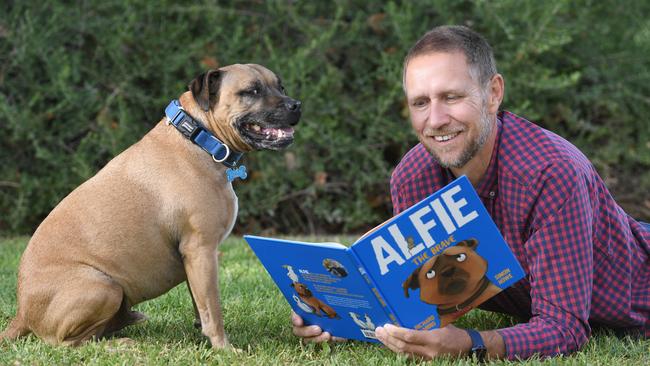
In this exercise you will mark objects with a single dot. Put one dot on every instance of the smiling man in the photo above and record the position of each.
(586, 261)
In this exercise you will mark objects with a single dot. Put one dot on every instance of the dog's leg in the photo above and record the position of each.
(79, 310)
(123, 318)
(197, 318)
(201, 267)
(15, 330)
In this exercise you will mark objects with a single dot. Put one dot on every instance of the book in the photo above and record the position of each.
(421, 269)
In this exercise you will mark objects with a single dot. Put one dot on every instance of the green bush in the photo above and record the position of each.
(80, 83)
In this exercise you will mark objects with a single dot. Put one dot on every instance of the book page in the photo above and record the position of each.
(322, 283)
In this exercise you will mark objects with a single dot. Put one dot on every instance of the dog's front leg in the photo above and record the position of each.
(201, 267)
(197, 317)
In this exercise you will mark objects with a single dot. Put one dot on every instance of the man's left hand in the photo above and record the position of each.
(427, 344)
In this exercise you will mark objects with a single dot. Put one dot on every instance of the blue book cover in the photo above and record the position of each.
(421, 269)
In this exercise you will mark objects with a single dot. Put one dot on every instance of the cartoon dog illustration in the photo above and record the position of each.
(454, 280)
(367, 324)
(308, 298)
(304, 307)
(292, 275)
(334, 267)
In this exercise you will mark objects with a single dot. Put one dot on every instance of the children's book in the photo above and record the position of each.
(421, 269)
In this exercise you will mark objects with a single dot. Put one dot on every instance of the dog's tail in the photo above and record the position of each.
(15, 330)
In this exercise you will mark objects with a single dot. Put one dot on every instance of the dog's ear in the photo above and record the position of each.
(205, 88)
(411, 282)
(470, 243)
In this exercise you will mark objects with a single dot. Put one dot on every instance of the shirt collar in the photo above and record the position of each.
(487, 186)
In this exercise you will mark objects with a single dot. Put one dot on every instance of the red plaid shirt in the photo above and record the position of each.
(586, 261)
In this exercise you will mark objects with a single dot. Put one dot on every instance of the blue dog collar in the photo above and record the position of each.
(199, 135)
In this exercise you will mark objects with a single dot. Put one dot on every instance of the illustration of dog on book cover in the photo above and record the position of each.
(454, 280)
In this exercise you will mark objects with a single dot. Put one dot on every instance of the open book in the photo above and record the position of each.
(422, 269)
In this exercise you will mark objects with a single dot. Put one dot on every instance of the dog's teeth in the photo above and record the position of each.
(256, 128)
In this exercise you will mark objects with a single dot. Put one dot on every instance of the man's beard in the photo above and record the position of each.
(472, 148)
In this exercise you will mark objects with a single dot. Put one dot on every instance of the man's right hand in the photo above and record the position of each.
(311, 333)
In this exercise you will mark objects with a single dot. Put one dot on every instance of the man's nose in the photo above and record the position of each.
(438, 115)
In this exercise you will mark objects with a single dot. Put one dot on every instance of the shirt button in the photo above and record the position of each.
(492, 194)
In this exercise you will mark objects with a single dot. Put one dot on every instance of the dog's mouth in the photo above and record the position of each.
(262, 136)
(270, 134)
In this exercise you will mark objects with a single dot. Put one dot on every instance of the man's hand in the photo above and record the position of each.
(311, 333)
(427, 344)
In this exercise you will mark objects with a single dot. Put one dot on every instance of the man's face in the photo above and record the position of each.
(448, 111)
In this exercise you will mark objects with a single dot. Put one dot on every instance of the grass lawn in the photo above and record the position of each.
(257, 321)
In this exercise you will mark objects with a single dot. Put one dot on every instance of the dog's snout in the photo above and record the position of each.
(449, 272)
(292, 105)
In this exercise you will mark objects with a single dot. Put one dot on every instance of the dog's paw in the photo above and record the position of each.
(136, 317)
(220, 343)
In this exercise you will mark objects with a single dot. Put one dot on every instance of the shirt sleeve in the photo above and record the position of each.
(559, 254)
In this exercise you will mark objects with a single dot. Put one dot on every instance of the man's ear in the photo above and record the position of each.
(205, 88)
(496, 90)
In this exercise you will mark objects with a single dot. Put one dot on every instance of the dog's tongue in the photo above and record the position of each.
(277, 133)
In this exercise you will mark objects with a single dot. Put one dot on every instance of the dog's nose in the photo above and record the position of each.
(293, 105)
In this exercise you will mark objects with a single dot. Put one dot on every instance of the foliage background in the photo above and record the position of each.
(81, 81)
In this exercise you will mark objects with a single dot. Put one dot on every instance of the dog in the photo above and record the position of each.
(308, 298)
(334, 267)
(154, 216)
(454, 280)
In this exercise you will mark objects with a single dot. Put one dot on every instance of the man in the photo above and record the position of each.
(586, 261)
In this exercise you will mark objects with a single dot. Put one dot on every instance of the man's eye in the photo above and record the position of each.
(419, 103)
(452, 97)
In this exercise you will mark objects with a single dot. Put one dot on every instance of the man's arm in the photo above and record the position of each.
(559, 256)
(429, 344)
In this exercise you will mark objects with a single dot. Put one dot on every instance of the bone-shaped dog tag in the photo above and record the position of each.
(233, 174)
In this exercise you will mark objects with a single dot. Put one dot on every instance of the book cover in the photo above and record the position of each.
(421, 269)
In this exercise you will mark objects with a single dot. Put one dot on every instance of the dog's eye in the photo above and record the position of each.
(431, 274)
(461, 257)
(253, 92)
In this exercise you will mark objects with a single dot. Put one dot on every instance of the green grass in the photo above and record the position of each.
(257, 321)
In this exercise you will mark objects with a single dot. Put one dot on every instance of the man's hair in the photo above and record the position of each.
(455, 38)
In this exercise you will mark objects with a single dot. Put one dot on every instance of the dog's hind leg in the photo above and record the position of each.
(80, 309)
(123, 318)
(15, 330)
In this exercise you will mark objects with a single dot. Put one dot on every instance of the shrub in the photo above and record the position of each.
(78, 84)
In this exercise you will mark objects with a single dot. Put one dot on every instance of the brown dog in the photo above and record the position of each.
(454, 280)
(151, 218)
(308, 298)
